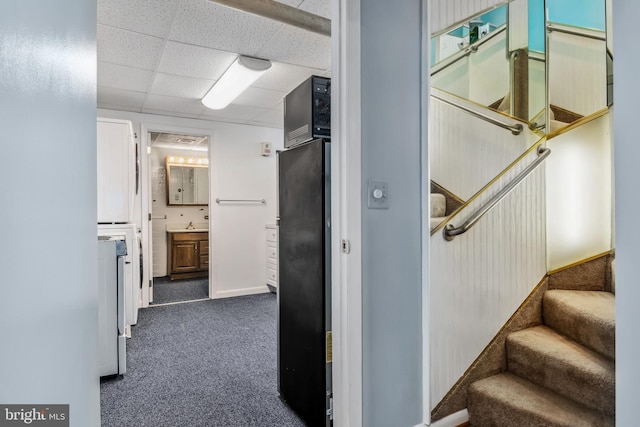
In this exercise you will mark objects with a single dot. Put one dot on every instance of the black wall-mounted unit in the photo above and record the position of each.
(307, 112)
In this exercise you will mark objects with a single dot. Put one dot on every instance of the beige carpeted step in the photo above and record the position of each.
(438, 205)
(506, 400)
(587, 317)
(551, 360)
(438, 209)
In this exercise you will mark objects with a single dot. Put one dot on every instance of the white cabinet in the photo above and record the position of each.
(116, 171)
(272, 255)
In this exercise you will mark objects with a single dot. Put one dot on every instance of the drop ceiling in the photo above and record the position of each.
(162, 56)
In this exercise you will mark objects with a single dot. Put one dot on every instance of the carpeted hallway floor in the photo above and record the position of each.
(206, 363)
(166, 291)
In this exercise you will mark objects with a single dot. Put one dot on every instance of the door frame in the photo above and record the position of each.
(346, 205)
(146, 200)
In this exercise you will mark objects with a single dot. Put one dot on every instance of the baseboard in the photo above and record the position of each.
(241, 292)
(457, 419)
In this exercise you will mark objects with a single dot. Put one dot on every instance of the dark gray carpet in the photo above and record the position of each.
(206, 363)
(165, 290)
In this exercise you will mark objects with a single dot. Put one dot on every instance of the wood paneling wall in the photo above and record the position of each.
(478, 280)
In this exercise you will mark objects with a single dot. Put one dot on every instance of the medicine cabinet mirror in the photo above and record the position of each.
(187, 181)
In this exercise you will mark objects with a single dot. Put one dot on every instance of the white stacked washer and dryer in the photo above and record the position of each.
(118, 184)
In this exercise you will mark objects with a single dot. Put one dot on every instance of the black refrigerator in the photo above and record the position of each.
(304, 287)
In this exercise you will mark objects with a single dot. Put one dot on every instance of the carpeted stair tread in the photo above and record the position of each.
(507, 400)
(438, 209)
(551, 360)
(587, 317)
(438, 205)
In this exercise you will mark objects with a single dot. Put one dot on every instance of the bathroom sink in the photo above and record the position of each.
(182, 228)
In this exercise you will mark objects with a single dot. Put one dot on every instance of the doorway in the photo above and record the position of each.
(176, 203)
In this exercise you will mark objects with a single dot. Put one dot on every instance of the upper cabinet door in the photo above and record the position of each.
(116, 171)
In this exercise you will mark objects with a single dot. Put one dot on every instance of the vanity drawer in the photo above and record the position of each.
(272, 275)
(204, 247)
(272, 234)
(190, 236)
(272, 253)
(204, 262)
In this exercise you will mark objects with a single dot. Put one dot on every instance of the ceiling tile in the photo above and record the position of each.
(173, 104)
(123, 77)
(176, 49)
(295, 46)
(264, 124)
(181, 87)
(153, 17)
(120, 108)
(194, 61)
(128, 48)
(284, 77)
(119, 97)
(261, 98)
(317, 7)
(170, 113)
(239, 112)
(204, 23)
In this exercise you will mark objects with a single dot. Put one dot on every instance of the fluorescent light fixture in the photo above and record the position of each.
(239, 76)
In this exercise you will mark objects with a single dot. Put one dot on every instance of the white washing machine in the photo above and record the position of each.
(131, 267)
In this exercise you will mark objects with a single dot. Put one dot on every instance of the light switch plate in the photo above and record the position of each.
(378, 195)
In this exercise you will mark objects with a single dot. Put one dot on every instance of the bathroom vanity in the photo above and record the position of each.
(188, 253)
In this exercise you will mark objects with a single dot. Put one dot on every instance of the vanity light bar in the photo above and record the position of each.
(189, 160)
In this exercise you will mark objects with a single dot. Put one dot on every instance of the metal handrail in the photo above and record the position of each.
(515, 129)
(450, 232)
(463, 53)
(262, 201)
(575, 32)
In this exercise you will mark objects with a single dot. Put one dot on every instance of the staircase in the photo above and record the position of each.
(561, 373)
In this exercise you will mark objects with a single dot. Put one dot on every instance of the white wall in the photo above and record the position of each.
(48, 250)
(391, 149)
(237, 171)
(579, 193)
(627, 177)
(478, 280)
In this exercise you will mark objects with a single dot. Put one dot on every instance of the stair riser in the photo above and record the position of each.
(597, 337)
(597, 392)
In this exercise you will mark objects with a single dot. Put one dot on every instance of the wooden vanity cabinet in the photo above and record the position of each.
(188, 255)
